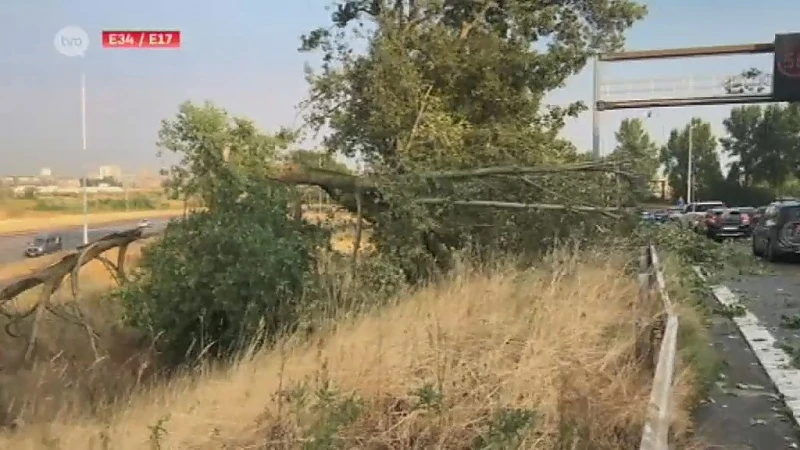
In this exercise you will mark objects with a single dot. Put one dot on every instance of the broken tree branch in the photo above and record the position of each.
(51, 277)
(333, 180)
(551, 192)
(514, 205)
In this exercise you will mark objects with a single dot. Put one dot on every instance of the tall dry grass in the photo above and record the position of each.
(540, 358)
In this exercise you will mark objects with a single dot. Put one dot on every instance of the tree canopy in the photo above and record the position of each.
(761, 144)
(765, 141)
(455, 83)
(215, 149)
(635, 146)
(674, 155)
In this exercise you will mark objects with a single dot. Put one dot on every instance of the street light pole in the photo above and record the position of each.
(86, 179)
(689, 164)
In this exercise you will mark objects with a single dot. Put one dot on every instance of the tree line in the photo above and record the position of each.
(763, 143)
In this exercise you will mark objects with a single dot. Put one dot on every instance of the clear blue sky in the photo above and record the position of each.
(242, 55)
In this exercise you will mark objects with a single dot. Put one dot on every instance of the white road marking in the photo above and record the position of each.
(775, 361)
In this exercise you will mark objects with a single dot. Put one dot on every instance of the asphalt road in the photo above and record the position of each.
(774, 298)
(12, 248)
(744, 410)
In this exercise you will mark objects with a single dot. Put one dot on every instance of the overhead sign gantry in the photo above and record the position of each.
(785, 77)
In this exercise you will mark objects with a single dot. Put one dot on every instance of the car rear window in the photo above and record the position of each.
(791, 213)
(707, 207)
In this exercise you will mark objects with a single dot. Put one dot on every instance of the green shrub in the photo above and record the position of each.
(219, 279)
(691, 247)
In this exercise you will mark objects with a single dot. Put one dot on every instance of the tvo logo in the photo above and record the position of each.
(71, 41)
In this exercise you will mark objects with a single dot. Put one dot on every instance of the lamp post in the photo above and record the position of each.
(689, 165)
(86, 180)
(690, 158)
(73, 41)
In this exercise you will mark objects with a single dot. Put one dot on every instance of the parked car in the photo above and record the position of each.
(722, 223)
(144, 223)
(751, 213)
(674, 213)
(647, 216)
(661, 216)
(694, 213)
(43, 245)
(777, 231)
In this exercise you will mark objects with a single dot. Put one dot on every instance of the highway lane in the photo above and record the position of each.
(12, 248)
(774, 298)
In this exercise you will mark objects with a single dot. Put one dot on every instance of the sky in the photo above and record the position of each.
(242, 55)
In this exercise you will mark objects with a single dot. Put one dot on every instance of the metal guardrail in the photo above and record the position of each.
(652, 286)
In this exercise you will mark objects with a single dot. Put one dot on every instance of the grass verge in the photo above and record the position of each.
(699, 364)
(489, 358)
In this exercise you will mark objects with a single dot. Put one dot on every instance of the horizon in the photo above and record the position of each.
(245, 60)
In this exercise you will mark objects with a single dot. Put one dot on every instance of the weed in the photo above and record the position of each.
(731, 311)
(792, 322)
(792, 351)
(157, 432)
(506, 430)
(429, 397)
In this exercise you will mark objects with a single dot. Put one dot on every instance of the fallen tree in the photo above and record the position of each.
(451, 198)
(345, 187)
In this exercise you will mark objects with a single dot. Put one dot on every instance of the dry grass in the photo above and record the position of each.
(48, 220)
(544, 355)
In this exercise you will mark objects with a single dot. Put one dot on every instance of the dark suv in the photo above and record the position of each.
(777, 232)
(721, 223)
(42, 245)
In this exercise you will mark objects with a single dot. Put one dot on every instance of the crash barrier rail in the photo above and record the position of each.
(663, 337)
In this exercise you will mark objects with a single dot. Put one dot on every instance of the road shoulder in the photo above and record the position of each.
(744, 410)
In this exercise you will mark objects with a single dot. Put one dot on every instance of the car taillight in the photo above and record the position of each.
(745, 219)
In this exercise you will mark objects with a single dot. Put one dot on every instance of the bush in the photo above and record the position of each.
(221, 277)
(729, 258)
(135, 202)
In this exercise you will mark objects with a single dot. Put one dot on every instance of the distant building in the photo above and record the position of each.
(45, 172)
(661, 189)
(110, 172)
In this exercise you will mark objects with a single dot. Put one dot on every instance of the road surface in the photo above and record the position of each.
(774, 298)
(12, 248)
(745, 410)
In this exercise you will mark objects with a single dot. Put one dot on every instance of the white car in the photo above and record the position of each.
(144, 223)
(694, 212)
